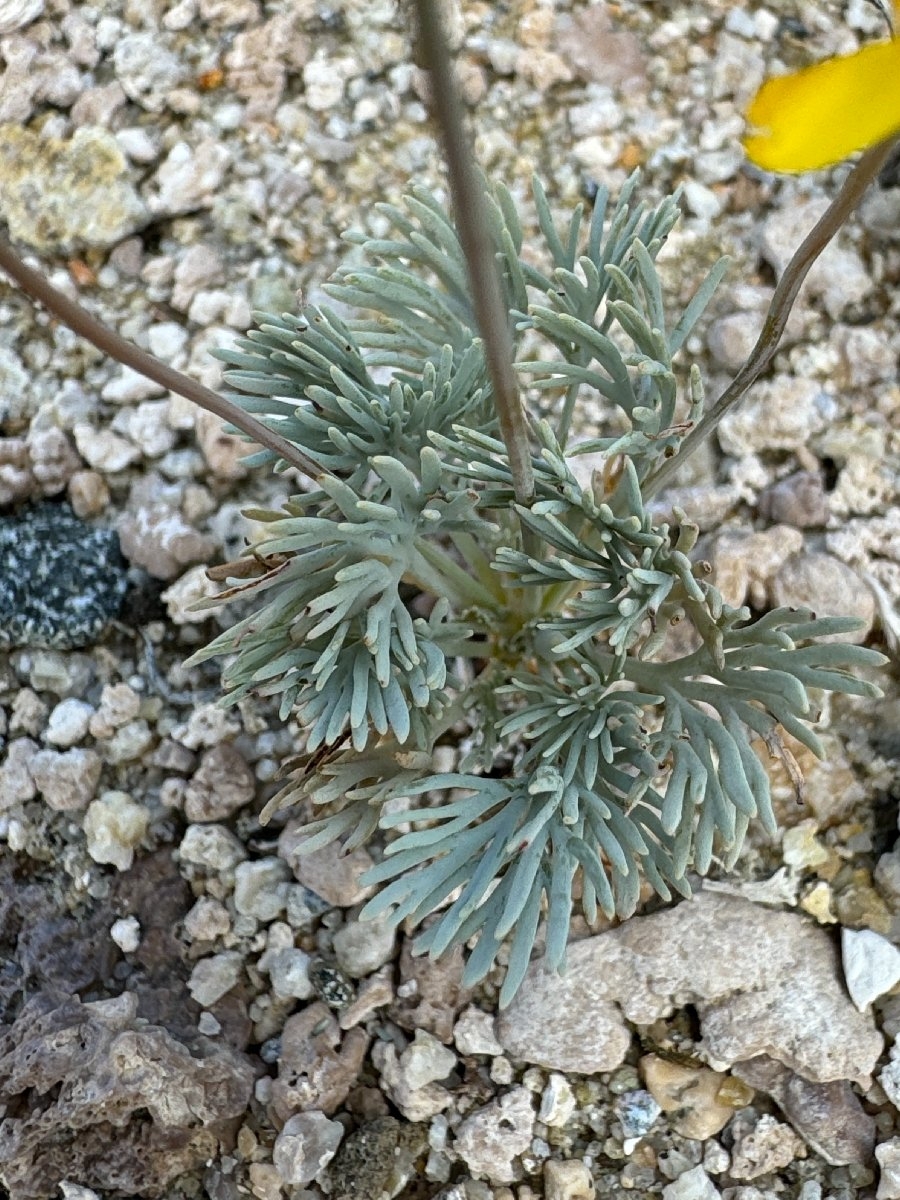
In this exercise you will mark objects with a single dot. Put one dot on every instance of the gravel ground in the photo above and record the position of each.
(188, 1008)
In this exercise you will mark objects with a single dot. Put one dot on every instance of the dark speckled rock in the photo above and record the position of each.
(61, 580)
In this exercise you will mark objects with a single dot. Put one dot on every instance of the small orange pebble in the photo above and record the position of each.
(632, 156)
(208, 81)
(83, 275)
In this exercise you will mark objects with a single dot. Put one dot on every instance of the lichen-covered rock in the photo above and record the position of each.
(376, 1160)
(60, 195)
(106, 1101)
(62, 580)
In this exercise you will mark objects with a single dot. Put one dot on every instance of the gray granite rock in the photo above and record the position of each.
(62, 582)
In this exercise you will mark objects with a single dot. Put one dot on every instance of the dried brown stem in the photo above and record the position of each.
(472, 225)
(80, 321)
(850, 195)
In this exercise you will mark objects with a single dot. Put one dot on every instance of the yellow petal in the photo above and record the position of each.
(822, 114)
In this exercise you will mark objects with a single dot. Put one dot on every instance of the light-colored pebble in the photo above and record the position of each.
(119, 704)
(208, 918)
(474, 1033)
(68, 723)
(694, 1184)
(212, 977)
(126, 933)
(306, 1144)
(289, 972)
(222, 784)
(189, 177)
(888, 1156)
(871, 965)
(361, 947)
(212, 847)
(88, 493)
(114, 826)
(29, 713)
(61, 674)
(689, 1095)
(259, 888)
(398, 1074)
(425, 1060)
(74, 1191)
(186, 593)
(16, 780)
(129, 742)
(147, 69)
(558, 1101)
(14, 14)
(103, 450)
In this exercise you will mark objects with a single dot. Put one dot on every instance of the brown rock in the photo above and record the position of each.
(222, 784)
(97, 1069)
(327, 872)
(430, 992)
(828, 1116)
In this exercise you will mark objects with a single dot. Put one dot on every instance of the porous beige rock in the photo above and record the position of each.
(567, 1179)
(762, 981)
(98, 1069)
(318, 1066)
(53, 459)
(491, 1139)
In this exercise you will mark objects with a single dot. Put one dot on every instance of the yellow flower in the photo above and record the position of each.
(817, 116)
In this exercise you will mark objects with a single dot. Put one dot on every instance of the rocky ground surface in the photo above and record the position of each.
(188, 1007)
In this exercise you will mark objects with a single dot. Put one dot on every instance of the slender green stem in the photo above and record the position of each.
(850, 195)
(565, 420)
(437, 573)
(471, 221)
(80, 321)
(479, 562)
